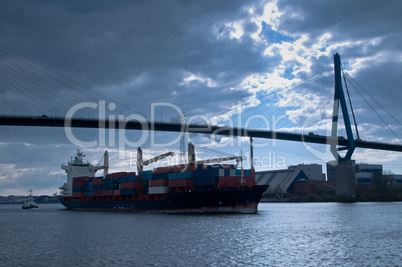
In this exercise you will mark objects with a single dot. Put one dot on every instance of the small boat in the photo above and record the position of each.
(30, 203)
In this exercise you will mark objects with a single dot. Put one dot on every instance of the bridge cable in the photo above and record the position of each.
(376, 111)
(70, 80)
(350, 103)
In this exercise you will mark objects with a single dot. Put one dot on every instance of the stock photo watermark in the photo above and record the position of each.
(228, 130)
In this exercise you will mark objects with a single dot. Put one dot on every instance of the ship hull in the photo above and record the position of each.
(237, 200)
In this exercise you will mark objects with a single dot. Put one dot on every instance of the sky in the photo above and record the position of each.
(211, 60)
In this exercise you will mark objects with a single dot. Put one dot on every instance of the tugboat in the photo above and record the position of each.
(29, 203)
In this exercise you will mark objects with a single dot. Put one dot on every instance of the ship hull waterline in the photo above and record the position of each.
(224, 200)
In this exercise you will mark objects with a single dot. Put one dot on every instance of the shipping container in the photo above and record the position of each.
(97, 181)
(77, 189)
(181, 182)
(161, 182)
(175, 168)
(116, 175)
(159, 176)
(147, 177)
(107, 193)
(158, 190)
(180, 175)
(246, 173)
(221, 172)
(97, 187)
(150, 172)
(228, 181)
(129, 185)
(107, 186)
(206, 180)
(232, 181)
(206, 173)
(128, 191)
(129, 179)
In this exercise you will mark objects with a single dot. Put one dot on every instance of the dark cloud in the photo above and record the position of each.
(346, 20)
(371, 35)
(136, 53)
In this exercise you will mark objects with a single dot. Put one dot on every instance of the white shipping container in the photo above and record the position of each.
(221, 172)
(232, 172)
(158, 190)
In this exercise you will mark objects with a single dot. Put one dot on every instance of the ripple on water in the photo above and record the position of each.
(285, 234)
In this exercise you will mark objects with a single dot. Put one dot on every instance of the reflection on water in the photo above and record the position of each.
(285, 234)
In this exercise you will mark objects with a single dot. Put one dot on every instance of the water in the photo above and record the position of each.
(281, 234)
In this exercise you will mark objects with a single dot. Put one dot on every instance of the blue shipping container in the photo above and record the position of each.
(132, 178)
(128, 191)
(180, 175)
(206, 173)
(145, 173)
(78, 189)
(97, 187)
(147, 177)
(205, 181)
(159, 176)
(107, 187)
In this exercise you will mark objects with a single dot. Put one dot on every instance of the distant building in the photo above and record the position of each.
(393, 179)
(364, 172)
(283, 181)
(313, 171)
(279, 181)
(331, 171)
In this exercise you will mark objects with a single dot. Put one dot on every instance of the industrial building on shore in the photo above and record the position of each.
(309, 179)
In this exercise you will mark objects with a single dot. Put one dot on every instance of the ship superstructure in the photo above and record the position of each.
(76, 167)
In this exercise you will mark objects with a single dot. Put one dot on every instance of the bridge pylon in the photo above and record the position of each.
(345, 176)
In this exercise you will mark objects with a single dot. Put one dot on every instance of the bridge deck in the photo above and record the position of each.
(177, 127)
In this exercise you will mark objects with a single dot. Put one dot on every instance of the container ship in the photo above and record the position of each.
(192, 187)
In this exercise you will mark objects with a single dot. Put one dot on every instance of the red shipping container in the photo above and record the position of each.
(117, 175)
(97, 181)
(78, 183)
(230, 181)
(116, 192)
(127, 185)
(176, 168)
(168, 169)
(131, 173)
(160, 182)
(249, 181)
(107, 193)
(185, 167)
(180, 182)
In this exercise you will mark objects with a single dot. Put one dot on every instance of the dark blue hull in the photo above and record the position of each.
(243, 200)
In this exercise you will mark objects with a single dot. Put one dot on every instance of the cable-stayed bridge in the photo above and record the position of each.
(33, 95)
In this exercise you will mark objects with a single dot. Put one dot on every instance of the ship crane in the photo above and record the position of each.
(105, 166)
(237, 158)
(141, 163)
(191, 157)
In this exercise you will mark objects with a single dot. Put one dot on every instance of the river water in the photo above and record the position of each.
(280, 234)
